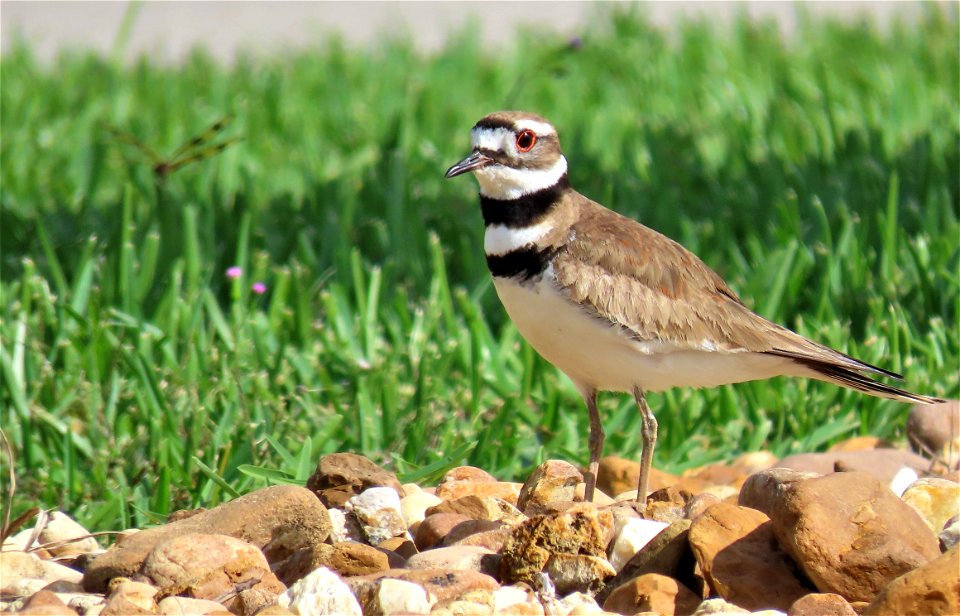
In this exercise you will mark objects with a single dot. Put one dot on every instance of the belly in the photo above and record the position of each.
(595, 354)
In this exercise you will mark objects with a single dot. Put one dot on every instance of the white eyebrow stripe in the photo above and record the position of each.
(500, 239)
(540, 128)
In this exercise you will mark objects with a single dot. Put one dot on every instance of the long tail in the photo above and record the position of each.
(853, 378)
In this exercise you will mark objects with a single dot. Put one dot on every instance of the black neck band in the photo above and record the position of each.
(523, 211)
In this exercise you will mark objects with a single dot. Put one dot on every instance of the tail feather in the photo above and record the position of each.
(847, 377)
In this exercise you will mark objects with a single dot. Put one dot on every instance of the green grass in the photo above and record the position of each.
(819, 176)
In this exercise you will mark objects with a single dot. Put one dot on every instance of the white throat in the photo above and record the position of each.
(506, 183)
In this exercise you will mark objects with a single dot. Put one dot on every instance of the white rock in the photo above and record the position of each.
(179, 606)
(577, 603)
(23, 587)
(53, 572)
(630, 535)
(18, 542)
(414, 506)
(718, 606)
(950, 536)
(402, 597)
(320, 593)
(902, 480)
(64, 532)
(378, 512)
(82, 602)
(507, 597)
(344, 527)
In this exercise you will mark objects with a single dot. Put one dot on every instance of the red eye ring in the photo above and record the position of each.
(526, 139)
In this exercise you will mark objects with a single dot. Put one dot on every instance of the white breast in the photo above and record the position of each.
(594, 354)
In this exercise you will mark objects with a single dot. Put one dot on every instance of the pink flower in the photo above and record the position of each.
(259, 288)
(234, 272)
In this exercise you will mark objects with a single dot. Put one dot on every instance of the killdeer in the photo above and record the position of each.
(615, 305)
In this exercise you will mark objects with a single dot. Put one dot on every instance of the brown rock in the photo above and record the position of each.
(350, 558)
(667, 504)
(930, 590)
(457, 558)
(764, 490)
(619, 475)
(667, 554)
(551, 481)
(180, 606)
(738, 554)
(183, 514)
(883, 464)
(16, 566)
(479, 508)
(127, 595)
(936, 500)
(339, 476)
(279, 520)
(504, 490)
(274, 610)
(62, 536)
(213, 567)
(718, 474)
(934, 429)
(302, 562)
(402, 547)
(698, 504)
(467, 473)
(435, 527)
(46, 603)
(850, 534)
(531, 544)
(821, 604)
(493, 540)
(652, 592)
(470, 527)
(859, 443)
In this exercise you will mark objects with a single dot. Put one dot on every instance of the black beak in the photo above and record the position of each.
(474, 161)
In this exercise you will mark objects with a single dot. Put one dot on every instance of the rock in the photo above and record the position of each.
(402, 547)
(932, 429)
(275, 610)
(668, 504)
(738, 554)
(504, 490)
(302, 562)
(698, 504)
(754, 461)
(399, 597)
(213, 567)
(413, 507)
(936, 500)
(320, 593)
(849, 533)
(574, 604)
(24, 587)
(179, 606)
(553, 480)
(931, 589)
(578, 573)
(630, 536)
(350, 558)
(467, 473)
(618, 476)
(821, 604)
(16, 566)
(652, 592)
(446, 586)
(860, 443)
(278, 520)
(435, 527)
(62, 536)
(718, 606)
(344, 527)
(530, 545)
(718, 474)
(950, 535)
(881, 463)
(183, 514)
(467, 528)
(764, 490)
(663, 554)
(83, 603)
(340, 476)
(378, 512)
(516, 600)
(45, 602)
(125, 593)
(480, 508)
(493, 540)
(903, 480)
(456, 558)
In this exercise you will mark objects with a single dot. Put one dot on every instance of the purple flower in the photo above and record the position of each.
(234, 272)
(259, 288)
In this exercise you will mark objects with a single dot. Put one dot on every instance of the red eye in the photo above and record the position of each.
(526, 140)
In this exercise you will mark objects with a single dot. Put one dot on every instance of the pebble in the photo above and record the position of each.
(821, 604)
(340, 476)
(378, 512)
(413, 507)
(936, 500)
(320, 593)
(933, 588)
(456, 558)
(63, 536)
(652, 592)
(400, 597)
(630, 536)
(552, 481)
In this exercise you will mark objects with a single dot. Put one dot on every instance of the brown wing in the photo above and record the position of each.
(659, 290)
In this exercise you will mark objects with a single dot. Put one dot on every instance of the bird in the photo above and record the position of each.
(615, 305)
